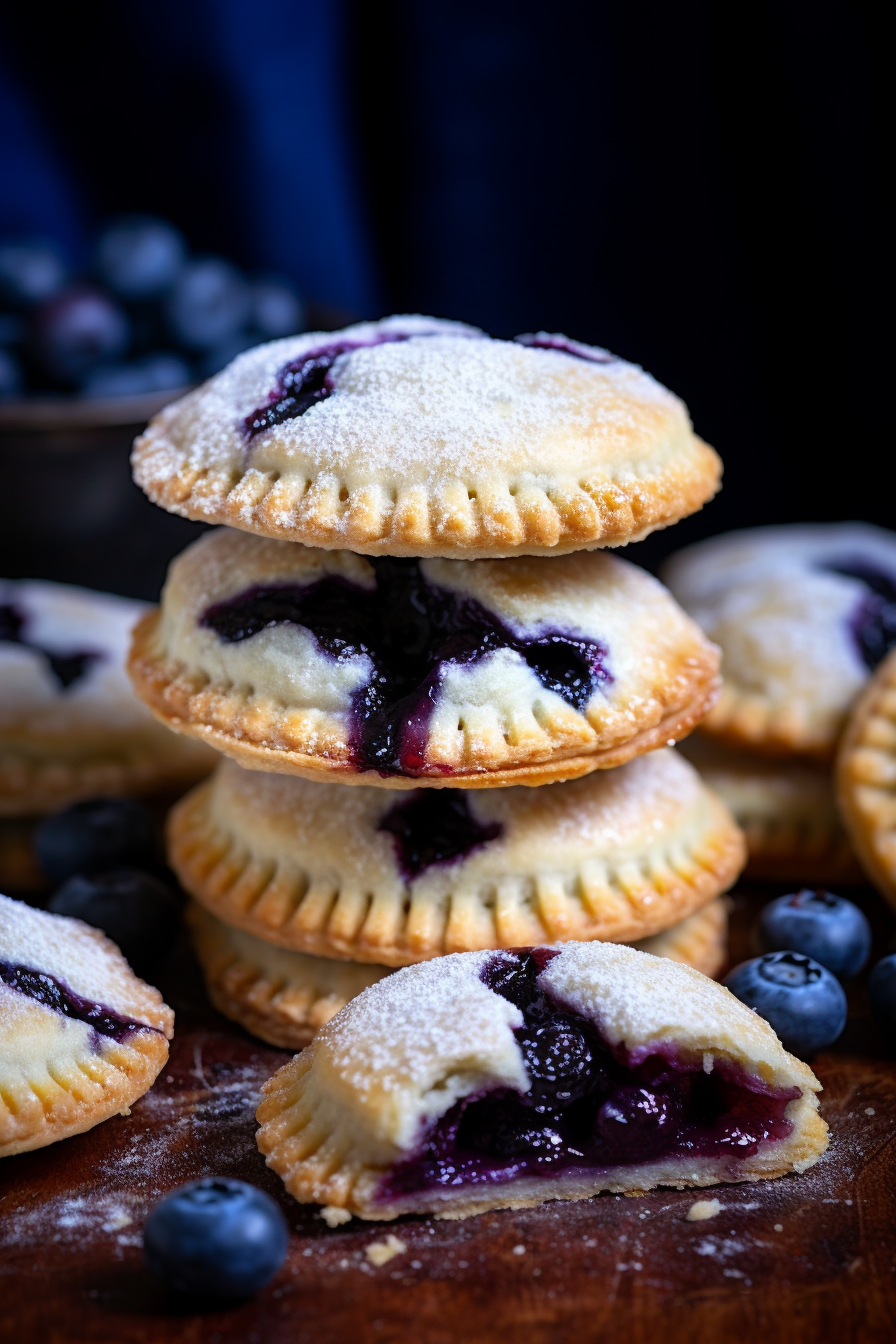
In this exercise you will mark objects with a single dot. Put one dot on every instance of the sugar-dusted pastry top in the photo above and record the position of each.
(413, 436)
(802, 613)
(488, 1079)
(66, 705)
(295, 659)
(354, 873)
(81, 1037)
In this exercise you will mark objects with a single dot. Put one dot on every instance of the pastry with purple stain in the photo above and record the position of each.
(504, 1079)
(81, 1037)
(406, 672)
(70, 725)
(353, 873)
(803, 614)
(286, 997)
(419, 437)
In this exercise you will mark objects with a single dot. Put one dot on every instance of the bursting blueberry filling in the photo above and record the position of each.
(873, 623)
(45, 989)
(67, 668)
(435, 828)
(410, 629)
(307, 380)
(589, 1107)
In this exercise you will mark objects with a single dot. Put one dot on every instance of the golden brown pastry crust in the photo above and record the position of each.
(285, 997)
(866, 778)
(619, 855)
(441, 446)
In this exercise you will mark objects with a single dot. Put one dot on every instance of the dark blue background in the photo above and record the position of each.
(696, 187)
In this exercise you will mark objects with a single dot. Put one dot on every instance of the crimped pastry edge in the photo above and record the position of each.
(465, 519)
(32, 787)
(171, 696)
(866, 778)
(233, 883)
(250, 996)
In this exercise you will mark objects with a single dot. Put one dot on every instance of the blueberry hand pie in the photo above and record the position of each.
(286, 997)
(81, 1038)
(415, 437)
(503, 1079)
(786, 809)
(803, 615)
(372, 876)
(399, 672)
(70, 725)
(866, 778)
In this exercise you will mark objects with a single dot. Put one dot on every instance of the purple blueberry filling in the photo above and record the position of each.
(589, 1106)
(67, 668)
(411, 630)
(435, 828)
(305, 381)
(45, 989)
(873, 623)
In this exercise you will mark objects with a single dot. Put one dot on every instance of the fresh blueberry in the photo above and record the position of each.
(30, 272)
(277, 310)
(76, 331)
(882, 996)
(11, 379)
(216, 1238)
(798, 998)
(95, 836)
(208, 304)
(137, 911)
(820, 925)
(139, 256)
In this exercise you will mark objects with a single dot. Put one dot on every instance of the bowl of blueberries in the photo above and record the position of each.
(87, 356)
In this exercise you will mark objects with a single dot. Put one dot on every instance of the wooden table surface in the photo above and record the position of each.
(804, 1257)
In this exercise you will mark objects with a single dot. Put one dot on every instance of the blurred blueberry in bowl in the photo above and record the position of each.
(821, 925)
(12, 379)
(76, 331)
(213, 361)
(277, 309)
(139, 256)
(31, 271)
(208, 305)
(153, 373)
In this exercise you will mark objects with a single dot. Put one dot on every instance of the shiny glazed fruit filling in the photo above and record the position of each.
(873, 623)
(410, 629)
(588, 1106)
(45, 989)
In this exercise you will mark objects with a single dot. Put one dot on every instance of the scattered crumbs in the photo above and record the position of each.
(334, 1217)
(379, 1253)
(119, 1219)
(703, 1209)
(779, 1227)
(869, 1110)
(536, 1273)
(416, 1264)
(734, 1274)
(848, 1202)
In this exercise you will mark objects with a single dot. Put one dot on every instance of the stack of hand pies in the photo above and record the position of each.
(448, 715)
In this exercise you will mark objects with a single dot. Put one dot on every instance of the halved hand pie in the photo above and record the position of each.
(70, 725)
(803, 614)
(355, 874)
(416, 437)
(866, 778)
(400, 672)
(286, 997)
(503, 1079)
(786, 809)
(81, 1038)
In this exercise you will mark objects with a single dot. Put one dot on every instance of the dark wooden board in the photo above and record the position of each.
(805, 1257)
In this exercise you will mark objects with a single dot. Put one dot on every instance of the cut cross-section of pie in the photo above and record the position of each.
(404, 672)
(502, 1079)
(81, 1038)
(413, 436)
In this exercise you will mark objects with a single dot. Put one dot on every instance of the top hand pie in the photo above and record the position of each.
(418, 437)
